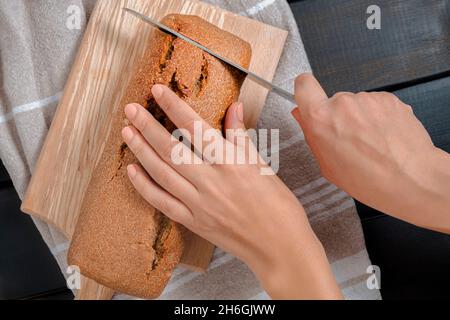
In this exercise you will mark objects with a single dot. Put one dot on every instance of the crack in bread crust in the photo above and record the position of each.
(120, 241)
(162, 232)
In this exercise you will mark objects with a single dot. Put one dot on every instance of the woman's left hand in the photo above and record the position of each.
(253, 216)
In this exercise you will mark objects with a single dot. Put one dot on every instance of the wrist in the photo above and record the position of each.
(436, 187)
(427, 186)
(297, 269)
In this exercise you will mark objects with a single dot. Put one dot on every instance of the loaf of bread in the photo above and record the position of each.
(120, 241)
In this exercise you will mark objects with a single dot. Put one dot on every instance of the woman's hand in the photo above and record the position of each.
(372, 146)
(255, 217)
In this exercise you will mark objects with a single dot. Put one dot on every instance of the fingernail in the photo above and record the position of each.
(127, 134)
(240, 112)
(296, 114)
(131, 111)
(131, 171)
(157, 91)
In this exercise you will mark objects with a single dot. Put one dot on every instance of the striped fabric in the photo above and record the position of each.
(36, 53)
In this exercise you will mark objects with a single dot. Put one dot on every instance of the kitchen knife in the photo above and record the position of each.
(266, 84)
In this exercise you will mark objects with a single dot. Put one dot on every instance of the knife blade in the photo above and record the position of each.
(253, 76)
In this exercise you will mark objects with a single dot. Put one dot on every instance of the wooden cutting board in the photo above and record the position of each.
(112, 44)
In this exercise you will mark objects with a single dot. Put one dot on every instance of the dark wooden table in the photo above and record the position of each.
(409, 56)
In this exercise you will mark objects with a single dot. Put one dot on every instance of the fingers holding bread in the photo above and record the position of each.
(158, 197)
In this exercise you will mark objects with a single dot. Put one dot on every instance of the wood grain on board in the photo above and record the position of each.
(112, 44)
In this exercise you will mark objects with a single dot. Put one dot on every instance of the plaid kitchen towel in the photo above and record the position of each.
(36, 53)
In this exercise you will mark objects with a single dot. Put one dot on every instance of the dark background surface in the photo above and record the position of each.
(409, 56)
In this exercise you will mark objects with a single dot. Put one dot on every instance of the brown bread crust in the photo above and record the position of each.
(120, 241)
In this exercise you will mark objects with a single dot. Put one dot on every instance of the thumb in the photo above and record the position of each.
(308, 91)
(234, 123)
(235, 116)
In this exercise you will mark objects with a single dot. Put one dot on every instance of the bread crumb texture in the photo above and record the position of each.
(120, 241)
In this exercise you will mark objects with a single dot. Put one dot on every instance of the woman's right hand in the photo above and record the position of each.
(372, 146)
